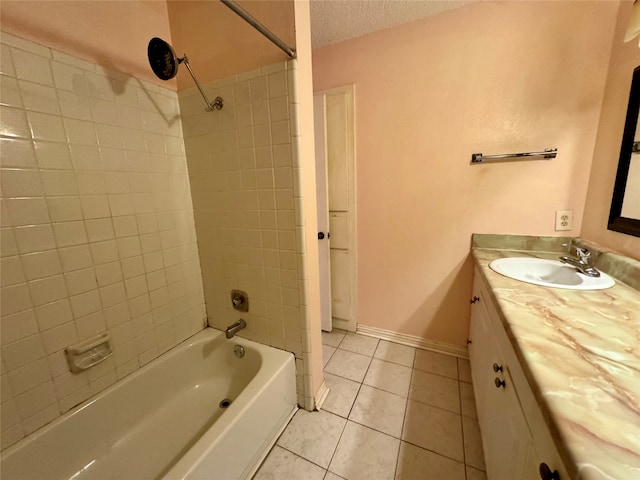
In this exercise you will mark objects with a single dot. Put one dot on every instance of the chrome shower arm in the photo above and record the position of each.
(217, 103)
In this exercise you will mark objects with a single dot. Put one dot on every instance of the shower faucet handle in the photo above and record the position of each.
(240, 300)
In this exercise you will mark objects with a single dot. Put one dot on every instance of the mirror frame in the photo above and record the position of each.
(617, 222)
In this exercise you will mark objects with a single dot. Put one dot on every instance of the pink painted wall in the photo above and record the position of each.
(624, 58)
(219, 43)
(491, 77)
(113, 34)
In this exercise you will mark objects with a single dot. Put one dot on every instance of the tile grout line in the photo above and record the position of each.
(464, 450)
(404, 420)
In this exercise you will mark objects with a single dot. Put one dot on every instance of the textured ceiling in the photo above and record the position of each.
(333, 21)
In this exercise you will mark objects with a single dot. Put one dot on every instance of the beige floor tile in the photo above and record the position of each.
(473, 474)
(348, 365)
(364, 454)
(467, 400)
(327, 352)
(472, 443)
(395, 353)
(281, 464)
(435, 390)
(313, 435)
(342, 394)
(434, 429)
(464, 370)
(333, 338)
(415, 463)
(333, 476)
(388, 376)
(382, 411)
(439, 363)
(359, 344)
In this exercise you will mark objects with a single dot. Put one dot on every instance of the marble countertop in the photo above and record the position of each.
(581, 353)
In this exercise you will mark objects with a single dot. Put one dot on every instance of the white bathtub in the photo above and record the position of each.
(164, 421)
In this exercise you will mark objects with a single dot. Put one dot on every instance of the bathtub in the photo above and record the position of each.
(165, 420)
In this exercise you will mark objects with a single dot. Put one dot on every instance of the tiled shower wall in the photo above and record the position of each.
(244, 171)
(97, 229)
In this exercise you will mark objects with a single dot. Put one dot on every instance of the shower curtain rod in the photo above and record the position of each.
(261, 28)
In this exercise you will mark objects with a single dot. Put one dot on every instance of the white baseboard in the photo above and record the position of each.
(413, 341)
(323, 391)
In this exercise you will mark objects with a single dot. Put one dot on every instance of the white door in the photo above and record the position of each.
(338, 141)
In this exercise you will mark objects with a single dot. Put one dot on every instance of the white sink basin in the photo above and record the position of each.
(549, 273)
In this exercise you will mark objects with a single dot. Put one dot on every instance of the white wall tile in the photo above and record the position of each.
(39, 98)
(41, 264)
(86, 158)
(22, 352)
(58, 182)
(81, 281)
(53, 314)
(6, 61)
(52, 155)
(95, 206)
(11, 271)
(85, 303)
(72, 246)
(18, 153)
(14, 122)
(17, 326)
(35, 238)
(64, 209)
(69, 233)
(74, 106)
(21, 183)
(75, 258)
(29, 376)
(46, 290)
(34, 68)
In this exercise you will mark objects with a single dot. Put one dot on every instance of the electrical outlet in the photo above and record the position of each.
(564, 220)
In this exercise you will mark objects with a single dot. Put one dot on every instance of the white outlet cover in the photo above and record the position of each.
(564, 220)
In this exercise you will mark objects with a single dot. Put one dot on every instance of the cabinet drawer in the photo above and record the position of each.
(511, 363)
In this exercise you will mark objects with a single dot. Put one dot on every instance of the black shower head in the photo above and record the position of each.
(162, 59)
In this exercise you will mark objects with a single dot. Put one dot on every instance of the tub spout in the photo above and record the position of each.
(235, 328)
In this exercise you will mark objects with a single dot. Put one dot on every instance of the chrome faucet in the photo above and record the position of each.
(581, 262)
(235, 328)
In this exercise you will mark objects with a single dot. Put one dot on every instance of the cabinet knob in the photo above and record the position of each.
(469, 342)
(547, 474)
(500, 383)
(474, 300)
(497, 368)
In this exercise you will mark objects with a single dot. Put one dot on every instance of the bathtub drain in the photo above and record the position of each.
(225, 403)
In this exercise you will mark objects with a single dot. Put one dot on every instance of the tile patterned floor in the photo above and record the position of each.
(393, 412)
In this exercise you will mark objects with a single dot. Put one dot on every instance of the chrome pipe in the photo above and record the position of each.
(246, 16)
(549, 153)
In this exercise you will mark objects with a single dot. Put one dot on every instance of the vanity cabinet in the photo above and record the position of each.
(515, 438)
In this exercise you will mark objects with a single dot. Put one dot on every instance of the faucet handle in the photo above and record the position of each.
(583, 253)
